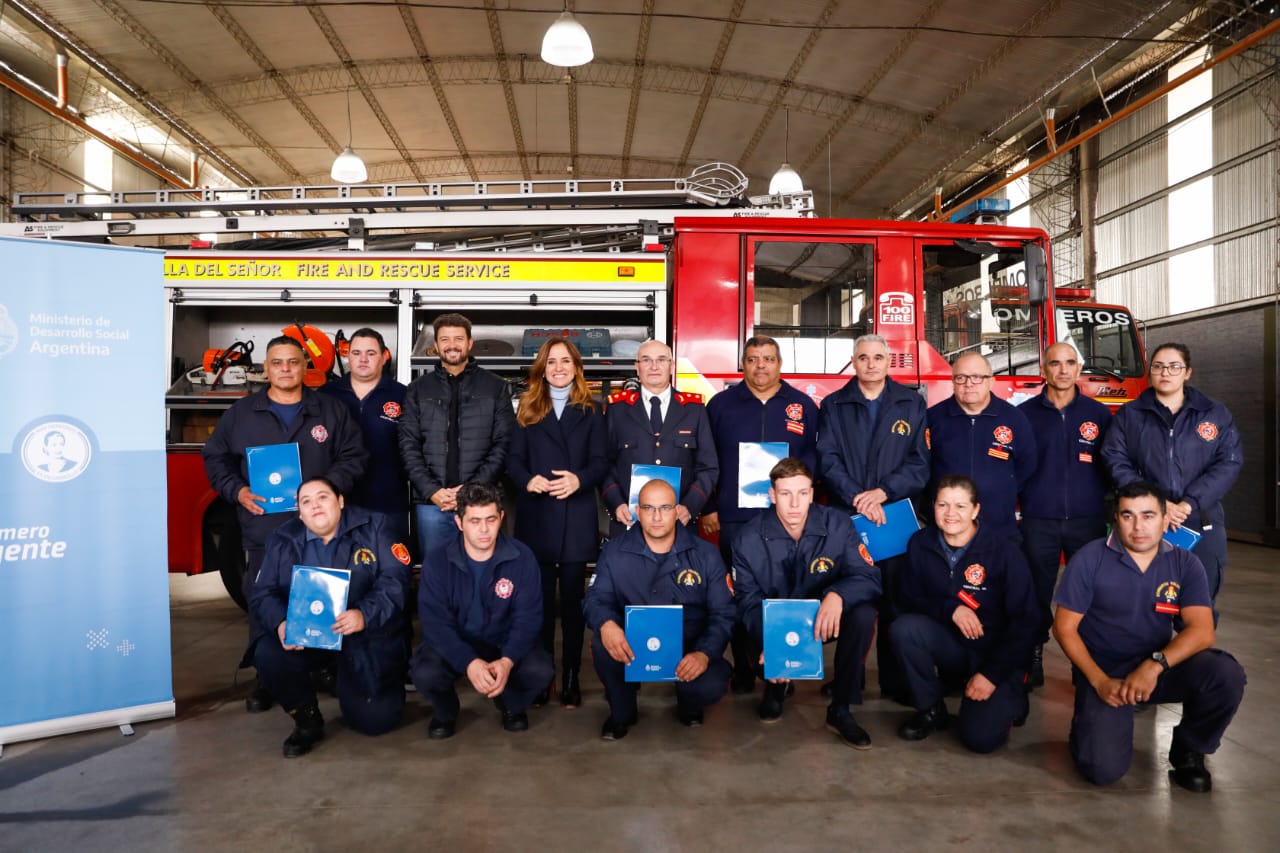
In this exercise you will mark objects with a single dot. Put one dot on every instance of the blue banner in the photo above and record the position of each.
(84, 591)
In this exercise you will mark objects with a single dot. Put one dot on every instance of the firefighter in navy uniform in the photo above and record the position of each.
(968, 617)
(658, 425)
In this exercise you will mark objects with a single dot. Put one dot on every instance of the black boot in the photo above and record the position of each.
(1035, 678)
(1187, 769)
(570, 690)
(771, 703)
(924, 723)
(308, 730)
(259, 700)
(543, 696)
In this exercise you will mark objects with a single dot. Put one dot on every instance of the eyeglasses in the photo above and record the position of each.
(970, 378)
(657, 510)
(1171, 369)
(647, 361)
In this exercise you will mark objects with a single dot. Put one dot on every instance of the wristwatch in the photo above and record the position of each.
(1159, 658)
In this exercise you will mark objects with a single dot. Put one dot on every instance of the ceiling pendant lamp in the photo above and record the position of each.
(566, 42)
(786, 179)
(348, 168)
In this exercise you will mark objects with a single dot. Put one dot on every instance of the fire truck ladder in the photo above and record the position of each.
(573, 215)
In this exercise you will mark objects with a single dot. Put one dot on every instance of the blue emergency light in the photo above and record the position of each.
(975, 210)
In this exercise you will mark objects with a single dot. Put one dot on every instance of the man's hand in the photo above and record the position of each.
(622, 512)
(480, 676)
(446, 499)
(683, 514)
(692, 665)
(250, 501)
(772, 680)
(968, 622)
(1108, 690)
(280, 632)
(871, 504)
(500, 669)
(827, 623)
(538, 484)
(1141, 683)
(614, 640)
(564, 485)
(979, 688)
(1177, 514)
(710, 523)
(349, 622)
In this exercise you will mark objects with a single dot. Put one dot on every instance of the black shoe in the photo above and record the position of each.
(1035, 678)
(543, 697)
(259, 700)
(689, 717)
(308, 730)
(1187, 769)
(924, 723)
(828, 688)
(570, 690)
(1021, 720)
(441, 729)
(771, 703)
(325, 680)
(841, 721)
(614, 730)
(515, 722)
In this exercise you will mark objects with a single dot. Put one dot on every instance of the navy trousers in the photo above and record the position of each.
(933, 659)
(287, 674)
(1048, 543)
(435, 679)
(740, 644)
(1209, 685)
(892, 681)
(695, 695)
(572, 579)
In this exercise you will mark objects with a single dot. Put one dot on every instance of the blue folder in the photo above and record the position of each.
(790, 650)
(316, 597)
(1184, 537)
(656, 636)
(889, 539)
(641, 474)
(275, 473)
(755, 460)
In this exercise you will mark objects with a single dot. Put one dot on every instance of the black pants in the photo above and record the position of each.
(740, 643)
(287, 674)
(572, 578)
(435, 679)
(892, 681)
(1048, 542)
(695, 695)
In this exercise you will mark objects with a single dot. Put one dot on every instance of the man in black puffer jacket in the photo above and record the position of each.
(455, 429)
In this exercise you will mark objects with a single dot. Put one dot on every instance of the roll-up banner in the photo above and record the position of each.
(84, 594)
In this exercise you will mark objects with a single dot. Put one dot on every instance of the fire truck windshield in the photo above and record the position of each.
(1105, 335)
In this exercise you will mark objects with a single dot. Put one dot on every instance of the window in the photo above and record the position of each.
(1106, 337)
(814, 298)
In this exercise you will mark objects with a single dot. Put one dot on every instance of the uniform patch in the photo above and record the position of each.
(391, 409)
(975, 574)
(1207, 430)
(928, 439)
(969, 600)
(821, 566)
(503, 588)
(400, 552)
(686, 398)
(795, 426)
(363, 556)
(1088, 430)
(1003, 434)
(628, 397)
(1086, 458)
(1167, 598)
(997, 453)
(865, 554)
(319, 433)
(689, 578)
(795, 411)
(901, 427)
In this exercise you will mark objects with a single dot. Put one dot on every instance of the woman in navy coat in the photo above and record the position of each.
(557, 460)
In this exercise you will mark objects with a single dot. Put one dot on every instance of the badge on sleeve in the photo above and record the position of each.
(503, 588)
(865, 554)
(928, 439)
(319, 433)
(400, 552)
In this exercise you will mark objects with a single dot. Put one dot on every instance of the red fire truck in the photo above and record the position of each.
(694, 261)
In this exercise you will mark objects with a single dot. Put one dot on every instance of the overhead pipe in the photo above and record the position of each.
(1121, 114)
(1050, 132)
(62, 79)
(37, 99)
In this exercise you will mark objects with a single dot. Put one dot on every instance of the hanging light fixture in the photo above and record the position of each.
(786, 179)
(349, 168)
(566, 42)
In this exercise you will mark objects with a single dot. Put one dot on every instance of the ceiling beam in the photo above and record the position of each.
(637, 77)
(504, 76)
(711, 73)
(437, 87)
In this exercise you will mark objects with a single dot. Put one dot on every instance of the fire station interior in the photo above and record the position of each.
(1133, 143)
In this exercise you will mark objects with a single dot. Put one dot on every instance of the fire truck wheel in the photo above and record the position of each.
(223, 552)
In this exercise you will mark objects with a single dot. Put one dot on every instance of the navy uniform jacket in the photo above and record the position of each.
(560, 530)
(992, 579)
(384, 486)
(856, 455)
(995, 448)
(737, 415)
(691, 574)
(768, 563)
(1070, 480)
(379, 568)
(1194, 456)
(685, 443)
(512, 602)
(329, 445)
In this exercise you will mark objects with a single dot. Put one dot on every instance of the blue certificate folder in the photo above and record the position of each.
(656, 636)
(755, 460)
(641, 474)
(889, 539)
(316, 597)
(275, 474)
(1183, 537)
(790, 650)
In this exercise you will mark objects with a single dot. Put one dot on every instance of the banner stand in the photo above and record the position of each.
(122, 717)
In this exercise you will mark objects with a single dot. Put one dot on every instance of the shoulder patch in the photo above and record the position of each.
(628, 397)
(400, 552)
(685, 398)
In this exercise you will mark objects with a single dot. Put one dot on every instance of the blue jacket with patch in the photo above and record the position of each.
(768, 563)
(384, 486)
(1070, 480)
(691, 575)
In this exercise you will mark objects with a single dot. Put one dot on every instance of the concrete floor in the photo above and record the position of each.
(213, 779)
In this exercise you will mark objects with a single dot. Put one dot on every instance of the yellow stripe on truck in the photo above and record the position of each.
(410, 270)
